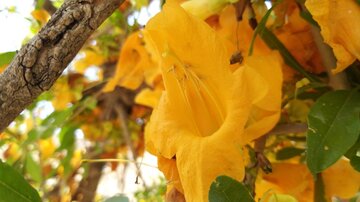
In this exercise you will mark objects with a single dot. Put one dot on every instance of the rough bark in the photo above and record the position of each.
(40, 62)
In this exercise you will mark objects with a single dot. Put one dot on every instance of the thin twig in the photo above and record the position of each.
(126, 133)
(289, 128)
(240, 8)
(81, 108)
(115, 160)
(261, 161)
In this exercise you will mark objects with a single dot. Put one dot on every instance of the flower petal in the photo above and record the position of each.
(134, 62)
(340, 27)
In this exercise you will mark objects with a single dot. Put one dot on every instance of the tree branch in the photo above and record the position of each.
(49, 7)
(41, 61)
(87, 189)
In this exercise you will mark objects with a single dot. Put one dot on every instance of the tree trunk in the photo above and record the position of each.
(40, 62)
(86, 191)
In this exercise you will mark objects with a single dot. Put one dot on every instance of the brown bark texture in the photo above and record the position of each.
(41, 61)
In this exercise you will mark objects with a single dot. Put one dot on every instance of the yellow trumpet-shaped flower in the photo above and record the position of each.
(340, 180)
(202, 120)
(134, 65)
(288, 178)
(340, 27)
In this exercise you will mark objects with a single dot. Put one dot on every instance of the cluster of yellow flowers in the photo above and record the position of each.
(206, 109)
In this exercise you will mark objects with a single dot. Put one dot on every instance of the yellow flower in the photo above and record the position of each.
(340, 180)
(287, 178)
(13, 152)
(340, 27)
(62, 93)
(148, 97)
(281, 198)
(296, 35)
(238, 33)
(134, 64)
(76, 159)
(91, 58)
(265, 113)
(3, 67)
(41, 15)
(202, 118)
(169, 168)
(205, 8)
(46, 147)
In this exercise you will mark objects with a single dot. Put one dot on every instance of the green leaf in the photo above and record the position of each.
(52, 122)
(355, 198)
(261, 26)
(57, 117)
(355, 162)
(288, 152)
(90, 102)
(298, 110)
(32, 136)
(334, 126)
(314, 93)
(66, 162)
(354, 155)
(225, 189)
(306, 15)
(33, 168)
(13, 187)
(358, 1)
(117, 199)
(140, 3)
(67, 137)
(39, 4)
(6, 58)
(67, 142)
